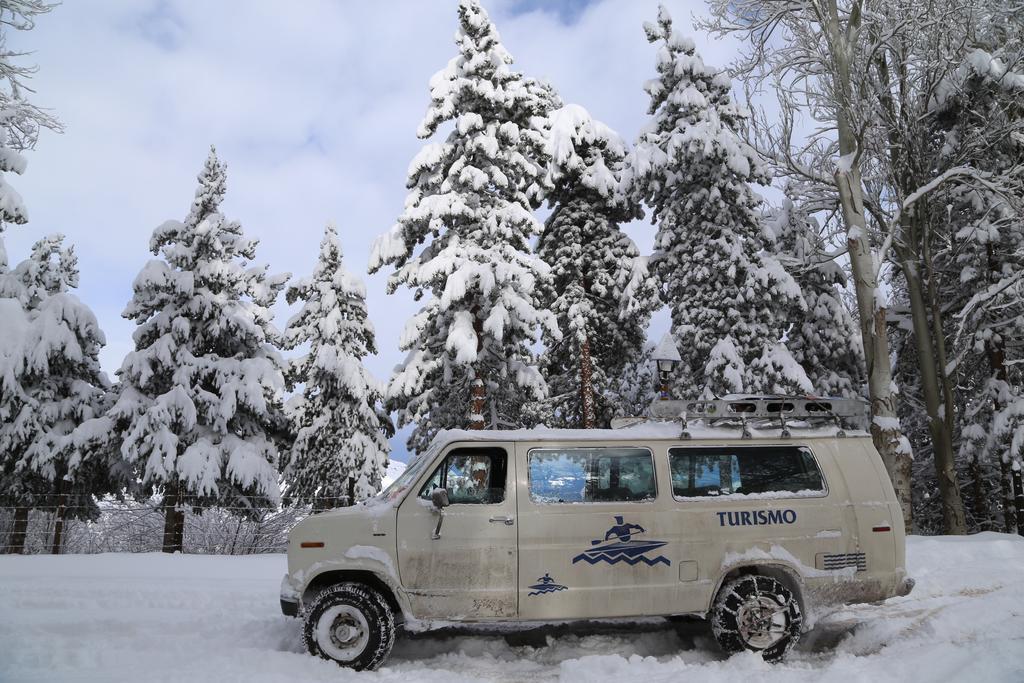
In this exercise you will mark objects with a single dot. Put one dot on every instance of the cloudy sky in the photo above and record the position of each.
(313, 105)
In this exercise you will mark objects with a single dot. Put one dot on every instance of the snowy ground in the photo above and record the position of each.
(196, 618)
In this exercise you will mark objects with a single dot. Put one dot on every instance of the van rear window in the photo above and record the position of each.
(591, 475)
(761, 471)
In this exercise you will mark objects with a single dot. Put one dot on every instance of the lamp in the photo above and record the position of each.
(666, 357)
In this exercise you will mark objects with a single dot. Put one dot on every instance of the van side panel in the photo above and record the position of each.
(467, 572)
(825, 542)
(731, 533)
(583, 560)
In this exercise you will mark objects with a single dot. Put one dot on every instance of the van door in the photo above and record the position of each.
(470, 572)
(593, 535)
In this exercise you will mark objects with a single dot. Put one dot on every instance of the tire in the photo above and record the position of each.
(757, 613)
(351, 624)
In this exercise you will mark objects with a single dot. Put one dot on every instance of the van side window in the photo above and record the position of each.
(591, 475)
(471, 476)
(724, 470)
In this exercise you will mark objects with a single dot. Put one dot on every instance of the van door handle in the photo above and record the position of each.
(509, 521)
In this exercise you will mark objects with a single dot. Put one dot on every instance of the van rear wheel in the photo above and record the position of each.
(351, 624)
(756, 613)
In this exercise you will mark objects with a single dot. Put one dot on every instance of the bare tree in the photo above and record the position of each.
(879, 78)
(814, 52)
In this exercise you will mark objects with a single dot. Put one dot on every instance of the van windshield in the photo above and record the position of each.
(407, 477)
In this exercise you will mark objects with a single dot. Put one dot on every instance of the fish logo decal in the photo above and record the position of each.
(546, 585)
(624, 547)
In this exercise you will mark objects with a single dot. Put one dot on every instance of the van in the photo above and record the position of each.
(753, 516)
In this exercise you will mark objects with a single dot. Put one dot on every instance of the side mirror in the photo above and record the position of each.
(439, 497)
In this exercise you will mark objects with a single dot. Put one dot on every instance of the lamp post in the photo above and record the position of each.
(666, 357)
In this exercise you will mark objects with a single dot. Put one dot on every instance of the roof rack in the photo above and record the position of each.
(762, 412)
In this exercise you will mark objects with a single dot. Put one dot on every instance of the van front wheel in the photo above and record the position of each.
(351, 624)
(756, 613)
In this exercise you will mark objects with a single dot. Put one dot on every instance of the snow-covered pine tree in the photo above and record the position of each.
(600, 290)
(824, 338)
(20, 123)
(777, 371)
(56, 371)
(725, 369)
(463, 239)
(199, 411)
(20, 119)
(65, 379)
(16, 421)
(341, 448)
(636, 386)
(693, 169)
(12, 207)
(19, 418)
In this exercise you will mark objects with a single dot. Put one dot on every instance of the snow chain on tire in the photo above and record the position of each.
(364, 618)
(758, 613)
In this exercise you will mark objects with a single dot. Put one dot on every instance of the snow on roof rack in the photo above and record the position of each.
(745, 411)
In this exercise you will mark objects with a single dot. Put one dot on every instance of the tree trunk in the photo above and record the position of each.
(169, 503)
(257, 534)
(939, 334)
(477, 387)
(1006, 484)
(16, 546)
(58, 520)
(477, 403)
(179, 530)
(58, 530)
(174, 521)
(979, 503)
(885, 426)
(942, 372)
(234, 540)
(952, 504)
(586, 386)
(1018, 496)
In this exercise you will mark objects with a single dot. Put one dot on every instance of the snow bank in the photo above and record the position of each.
(155, 617)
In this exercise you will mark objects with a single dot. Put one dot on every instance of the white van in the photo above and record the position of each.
(751, 528)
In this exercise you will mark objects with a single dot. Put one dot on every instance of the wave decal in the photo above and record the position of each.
(623, 547)
(546, 585)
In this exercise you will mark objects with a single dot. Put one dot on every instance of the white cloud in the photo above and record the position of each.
(313, 105)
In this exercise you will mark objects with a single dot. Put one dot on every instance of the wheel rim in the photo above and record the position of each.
(762, 622)
(342, 632)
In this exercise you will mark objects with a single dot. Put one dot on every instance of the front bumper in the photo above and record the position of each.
(289, 597)
(290, 608)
